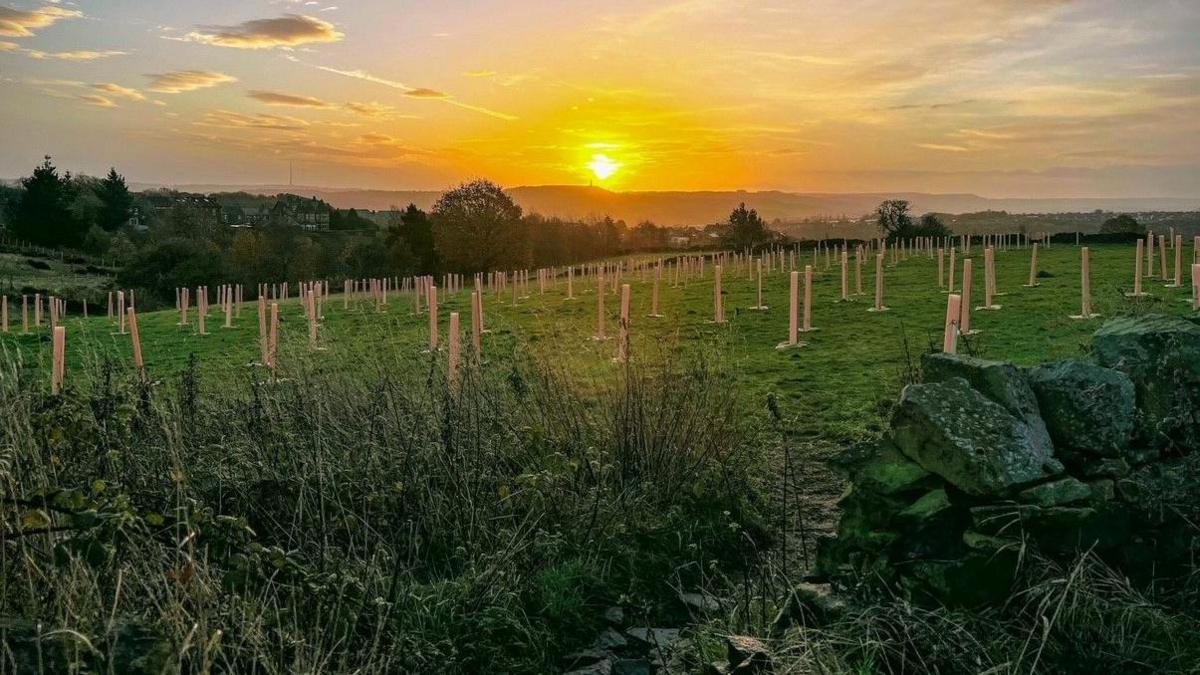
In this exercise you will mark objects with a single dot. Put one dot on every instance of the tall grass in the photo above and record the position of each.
(365, 519)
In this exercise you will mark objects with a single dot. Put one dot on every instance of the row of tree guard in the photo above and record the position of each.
(610, 277)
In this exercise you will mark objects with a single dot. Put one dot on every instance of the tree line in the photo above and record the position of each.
(475, 227)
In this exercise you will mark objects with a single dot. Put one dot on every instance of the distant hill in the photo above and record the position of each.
(701, 208)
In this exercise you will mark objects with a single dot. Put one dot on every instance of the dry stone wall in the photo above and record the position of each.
(985, 461)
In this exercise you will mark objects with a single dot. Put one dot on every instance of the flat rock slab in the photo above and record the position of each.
(1000, 381)
(971, 441)
(1087, 408)
(1161, 354)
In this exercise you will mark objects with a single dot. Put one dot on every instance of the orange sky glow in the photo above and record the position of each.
(997, 97)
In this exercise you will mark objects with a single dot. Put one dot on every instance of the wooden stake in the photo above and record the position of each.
(1085, 285)
(807, 327)
(718, 299)
(433, 318)
(263, 339)
(58, 369)
(953, 309)
(137, 343)
(623, 340)
(455, 347)
(1033, 282)
(968, 279)
(1137, 272)
(793, 313)
(273, 344)
(845, 276)
(879, 307)
(477, 323)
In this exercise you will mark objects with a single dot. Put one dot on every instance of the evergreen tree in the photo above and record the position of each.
(117, 202)
(746, 228)
(43, 213)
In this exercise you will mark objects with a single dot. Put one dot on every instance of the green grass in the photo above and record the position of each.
(71, 280)
(834, 387)
(357, 515)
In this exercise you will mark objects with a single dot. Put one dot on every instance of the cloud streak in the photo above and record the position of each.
(76, 55)
(232, 120)
(181, 81)
(417, 92)
(23, 23)
(289, 30)
(287, 100)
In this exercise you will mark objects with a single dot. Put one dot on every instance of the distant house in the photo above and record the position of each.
(307, 214)
(203, 208)
(246, 216)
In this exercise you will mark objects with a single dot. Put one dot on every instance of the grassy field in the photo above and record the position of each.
(24, 274)
(355, 515)
(833, 387)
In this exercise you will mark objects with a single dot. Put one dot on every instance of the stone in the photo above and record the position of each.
(630, 667)
(603, 667)
(660, 638)
(1106, 468)
(1087, 408)
(1161, 355)
(703, 602)
(1103, 490)
(889, 472)
(614, 615)
(1056, 529)
(1000, 381)
(974, 443)
(747, 654)
(808, 605)
(973, 580)
(1056, 492)
(986, 543)
(1171, 485)
(610, 639)
(585, 657)
(929, 506)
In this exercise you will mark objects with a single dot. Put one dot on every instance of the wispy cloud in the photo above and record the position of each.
(289, 30)
(76, 55)
(97, 100)
(186, 80)
(369, 109)
(287, 100)
(23, 23)
(232, 120)
(419, 92)
(422, 92)
(944, 147)
(117, 90)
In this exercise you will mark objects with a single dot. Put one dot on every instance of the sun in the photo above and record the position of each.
(602, 166)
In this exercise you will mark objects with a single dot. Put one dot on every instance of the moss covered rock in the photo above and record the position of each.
(1000, 381)
(974, 443)
(1087, 408)
(1161, 355)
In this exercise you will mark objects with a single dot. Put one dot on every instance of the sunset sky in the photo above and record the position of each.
(996, 97)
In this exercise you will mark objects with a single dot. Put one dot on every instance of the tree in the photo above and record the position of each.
(43, 212)
(161, 268)
(411, 236)
(892, 218)
(477, 228)
(1122, 224)
(746, 228)
(116, 201)
(929, 226)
